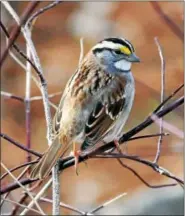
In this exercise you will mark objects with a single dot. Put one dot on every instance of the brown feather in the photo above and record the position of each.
(43, 168)
(104, 114)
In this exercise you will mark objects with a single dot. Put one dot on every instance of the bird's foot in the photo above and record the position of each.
(76, 155)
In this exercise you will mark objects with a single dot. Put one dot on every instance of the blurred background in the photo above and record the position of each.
(56, 35)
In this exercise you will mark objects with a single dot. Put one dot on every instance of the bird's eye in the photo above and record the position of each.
(118, 52)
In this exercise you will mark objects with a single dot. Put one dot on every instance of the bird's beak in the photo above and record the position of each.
(133, 58)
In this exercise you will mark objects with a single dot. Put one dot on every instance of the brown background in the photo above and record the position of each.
(56, 36)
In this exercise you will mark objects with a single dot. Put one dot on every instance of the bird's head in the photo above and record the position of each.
(115, 55)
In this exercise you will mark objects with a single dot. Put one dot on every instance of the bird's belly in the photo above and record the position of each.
(117, 130)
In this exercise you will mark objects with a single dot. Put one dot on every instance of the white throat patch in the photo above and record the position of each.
(123, 65)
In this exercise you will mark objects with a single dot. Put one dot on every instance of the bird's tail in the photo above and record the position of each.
(42, 169)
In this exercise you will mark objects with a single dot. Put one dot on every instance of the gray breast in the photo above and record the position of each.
(117, 130)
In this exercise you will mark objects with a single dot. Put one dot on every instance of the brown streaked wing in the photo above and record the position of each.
(57, 117)
(101, 121)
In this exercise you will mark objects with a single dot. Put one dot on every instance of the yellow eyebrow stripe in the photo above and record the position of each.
(125, 50)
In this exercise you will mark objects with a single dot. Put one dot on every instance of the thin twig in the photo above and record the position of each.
(18, 50)
(35, 98)
(41, 11)
(16, 58)
(154, 166)
(168, 20)
(18, 178)
(24, 67)
(148, 136)
(26, 32)
(168, 98)
(21, 146)
(30, 195)
(63, 205)
(17, 167)
(16, 30)
(142, 179)
(55, 175)
(9, 95)
(149, 120)
(27, 103)
(21, 205)
(37, 197)
(137, 175)
(106, 204)
(27, 36)
(162, 97)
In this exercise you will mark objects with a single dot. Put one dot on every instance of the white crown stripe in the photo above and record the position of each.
(107, 44)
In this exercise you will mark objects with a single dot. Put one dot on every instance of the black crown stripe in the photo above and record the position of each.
(120, 41)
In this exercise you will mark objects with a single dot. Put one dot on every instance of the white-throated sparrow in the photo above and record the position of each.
(95, 104)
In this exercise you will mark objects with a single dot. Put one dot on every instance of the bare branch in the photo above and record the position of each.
(162, 98)
(63, 205)
(15, 46)
(24, 188)
(106, 204)
(26, 33)
(21, 205)
(16, 30)
(168, 98)
(37, 197)
(154, 166)
(6, 137)
(136, 174)
(27, 36)
(35, 98)
(27, 103)
(24, 67)
(56, 190)
(142, 180)
(40, 155)
(18, 167)
(18, 178)
(9, 95)
(41, 11)
(149, 120)
(18, 50)
(148, 136)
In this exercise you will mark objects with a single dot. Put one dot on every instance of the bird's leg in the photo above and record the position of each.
(116, 142)
(76, 154)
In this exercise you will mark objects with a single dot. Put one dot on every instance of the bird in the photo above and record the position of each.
(95, 104)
